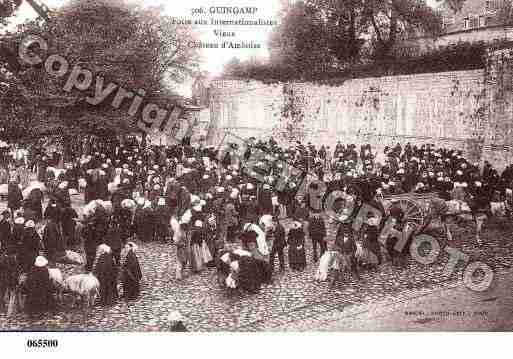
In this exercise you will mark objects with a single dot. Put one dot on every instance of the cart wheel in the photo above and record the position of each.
(413, 213)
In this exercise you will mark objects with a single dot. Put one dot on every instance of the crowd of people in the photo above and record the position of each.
(221, 208)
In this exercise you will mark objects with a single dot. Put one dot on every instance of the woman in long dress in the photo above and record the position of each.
(39, 288)
(197, 239)
(131, 275)
(106, 272)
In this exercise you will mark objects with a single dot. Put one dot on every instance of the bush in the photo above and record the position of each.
(458, 57)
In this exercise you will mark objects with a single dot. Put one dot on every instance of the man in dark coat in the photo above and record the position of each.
(6, 237)
(317, 229)
(296, 242)
(34, 201)
(52, 242)
(68, 224)
(162, 218)
(62, 196)
(29, 247)
(113, 240)
(278, 244)
(265, 204)
(53, 211)
(14, 196)
(144, 223)
(92, 232)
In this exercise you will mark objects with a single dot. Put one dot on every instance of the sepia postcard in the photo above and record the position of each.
(254, 166)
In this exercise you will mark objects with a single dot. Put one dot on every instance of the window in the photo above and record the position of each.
(482, 21)
(466, 23)
(491, 6)
(474, 22)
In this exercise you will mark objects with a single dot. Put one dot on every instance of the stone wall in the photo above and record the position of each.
(498, 136)
(436, 108)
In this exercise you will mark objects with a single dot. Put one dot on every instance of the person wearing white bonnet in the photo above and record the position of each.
(103, 248)
(175, 320)
(128, 204)
(19, 220)
(30, 224)
(131, 274)
(41, 262)
(141, 201)
(38, 288)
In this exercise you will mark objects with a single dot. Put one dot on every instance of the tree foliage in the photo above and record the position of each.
(7, 9)
(317, 35)
(133, 47)
(457, 57)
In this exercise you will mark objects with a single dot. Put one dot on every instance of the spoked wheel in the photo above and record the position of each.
(414, 215)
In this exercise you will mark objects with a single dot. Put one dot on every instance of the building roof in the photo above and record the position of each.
(473, 15)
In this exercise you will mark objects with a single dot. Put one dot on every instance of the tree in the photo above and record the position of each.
(321, 34)
(301, 41)
(344, 27)
(135, 48)
(7, 9)
(390, 19)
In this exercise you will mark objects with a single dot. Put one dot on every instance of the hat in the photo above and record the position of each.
(41, 262)
(131, 246)
(30, 224)
(127, 203)
(186, 218)
(175, 316)
(374, 221)
(103, 248)
(195, 199)
(343, 218)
